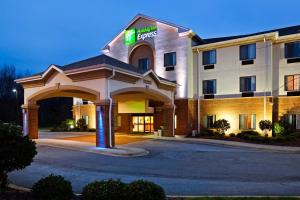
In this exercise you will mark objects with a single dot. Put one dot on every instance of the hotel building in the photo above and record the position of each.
(158, 75)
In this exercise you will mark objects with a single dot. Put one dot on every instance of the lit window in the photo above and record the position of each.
(248, 52)
(247, 84)
(292, 83)
(292, 50)
(119, 121)
(175, 122)
(247, 122)
(209, 86)
(209, 57)
(170, 59)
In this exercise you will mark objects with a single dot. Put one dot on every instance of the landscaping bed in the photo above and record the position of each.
(292, 141)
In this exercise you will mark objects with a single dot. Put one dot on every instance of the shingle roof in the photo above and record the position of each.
(281, 31)
(98, 60)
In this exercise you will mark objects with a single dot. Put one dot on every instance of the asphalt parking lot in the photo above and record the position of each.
(182, 168)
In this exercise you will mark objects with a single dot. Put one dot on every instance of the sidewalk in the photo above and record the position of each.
(234, 144)
(121, 151)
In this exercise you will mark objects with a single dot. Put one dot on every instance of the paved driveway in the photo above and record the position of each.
(181, 168)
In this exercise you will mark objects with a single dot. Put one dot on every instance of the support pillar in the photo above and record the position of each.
(105, 137)
(168, 120)
(30, 121)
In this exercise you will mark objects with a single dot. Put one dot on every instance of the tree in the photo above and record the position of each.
(222, 125)
(81, 124)
(16, 151)
(265, 126)
(10, 102)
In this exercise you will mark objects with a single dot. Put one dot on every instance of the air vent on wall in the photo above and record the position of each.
(247, 62)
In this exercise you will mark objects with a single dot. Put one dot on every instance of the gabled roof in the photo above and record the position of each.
(181, 29)
(99, 60)
(95, 63)
(281, 32)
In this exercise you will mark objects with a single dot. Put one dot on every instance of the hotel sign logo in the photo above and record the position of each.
(133, 35)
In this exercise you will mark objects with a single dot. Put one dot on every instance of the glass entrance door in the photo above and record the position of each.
(142, 124)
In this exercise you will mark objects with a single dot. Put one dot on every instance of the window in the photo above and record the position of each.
(209, 57)
(248, 52)
(143, 64)
(292, 50)
(292, 83)
(209, 86)
(248, 84)
(210, 120)
(247, 122)
(293, 120)
(170, 59)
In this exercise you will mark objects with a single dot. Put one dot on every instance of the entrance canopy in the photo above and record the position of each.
(96, 79)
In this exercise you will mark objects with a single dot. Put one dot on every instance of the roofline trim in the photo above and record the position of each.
(145, 17)
(100, 67)
(268, 36)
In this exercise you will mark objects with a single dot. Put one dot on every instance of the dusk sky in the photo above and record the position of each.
(35, 33)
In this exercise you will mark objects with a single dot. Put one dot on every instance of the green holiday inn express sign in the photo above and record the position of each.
(133, 35)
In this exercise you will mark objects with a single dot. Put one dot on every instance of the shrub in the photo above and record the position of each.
(221, 125)
(145, 190)
(16, 150)
(265, 125)
(247, 134)
(104, 190)
(206, 132)
(231, 135)
(81, 123)
(279, 129)
(52, 188)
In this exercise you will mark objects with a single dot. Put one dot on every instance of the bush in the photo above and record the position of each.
(247, 134)
(231, 135)
(206, 132)
(222, 125)
(144, 190)
(104, 190)
(52, 188)
(81, 124)
(279, 129)
(16, 150)
(265, 125)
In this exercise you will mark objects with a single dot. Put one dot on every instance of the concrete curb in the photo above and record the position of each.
(235, 144)
(20, 188)
(119, 151)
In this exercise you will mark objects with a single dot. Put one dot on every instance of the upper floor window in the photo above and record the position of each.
(143, 64)
(209, 86)
(209, 57)
(170, 59)
(292, 50)
(248, 84)
(247, 122)
(292, 83)
(248, 52)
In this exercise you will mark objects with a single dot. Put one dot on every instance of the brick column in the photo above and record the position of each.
(168, 120)
(30, 120)
(103, 137)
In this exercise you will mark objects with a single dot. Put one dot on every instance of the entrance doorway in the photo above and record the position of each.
(142, 124)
